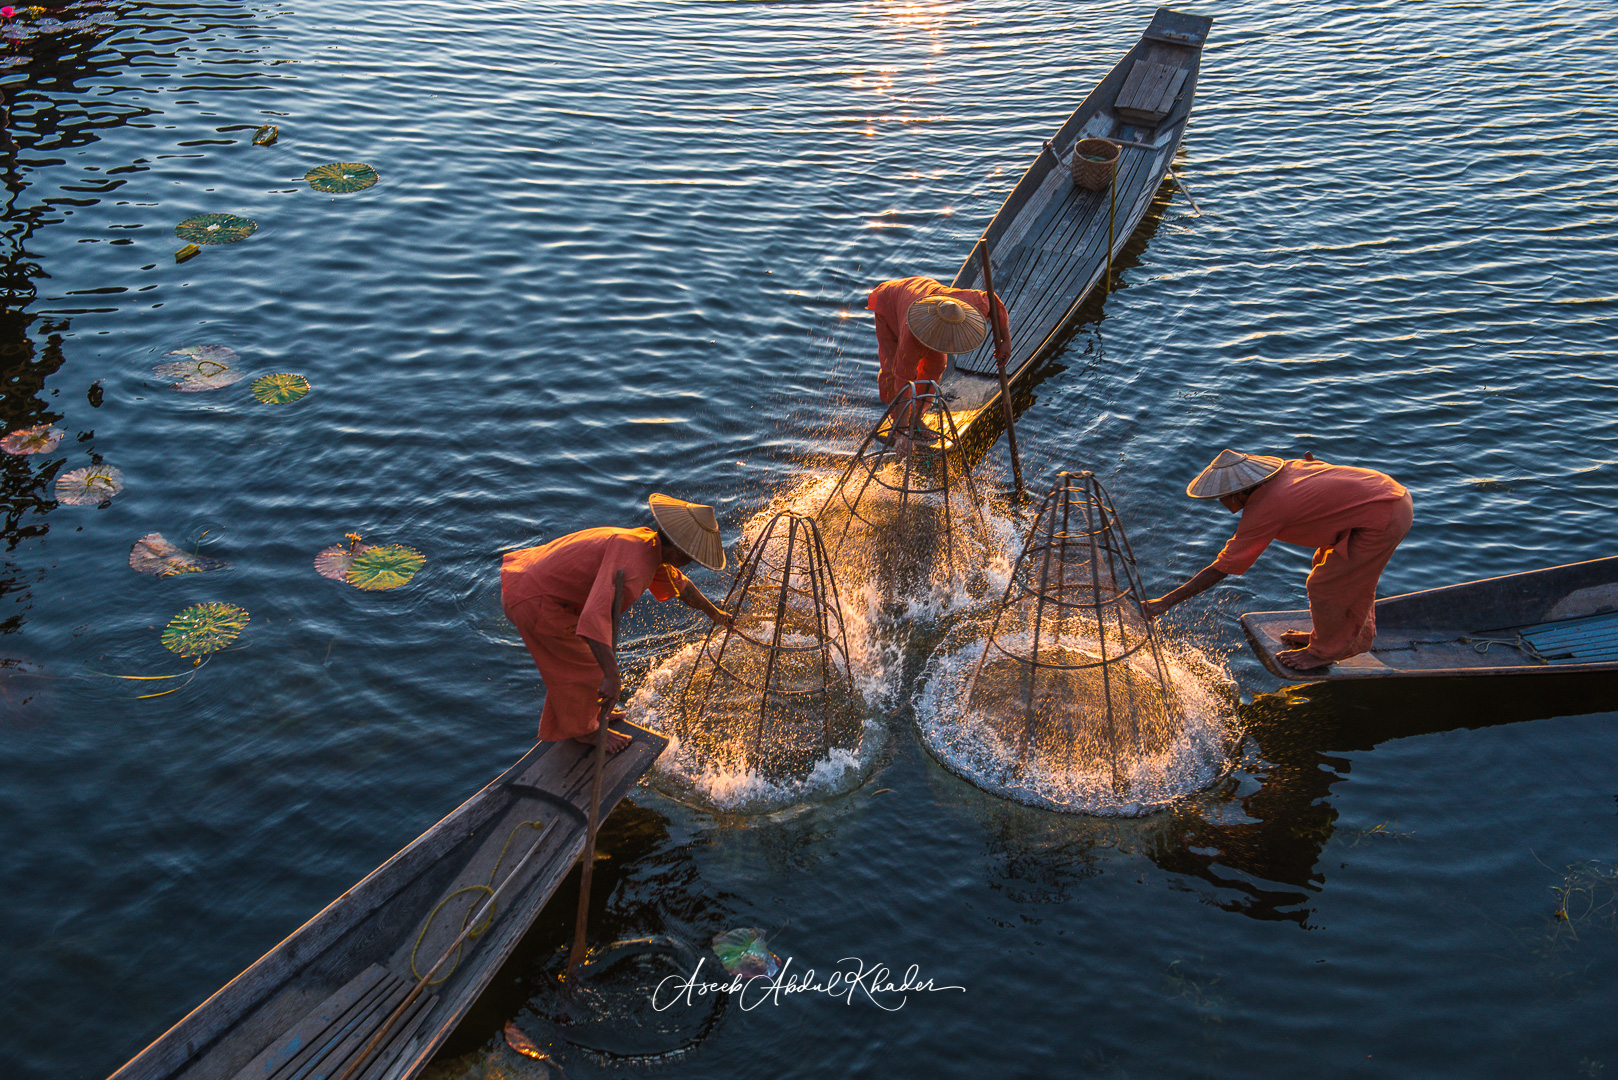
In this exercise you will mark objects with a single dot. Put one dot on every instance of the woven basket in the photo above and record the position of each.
(1094, 175)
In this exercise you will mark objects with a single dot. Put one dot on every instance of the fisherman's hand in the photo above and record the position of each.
(1002, 351)
(1154, 608)
(612, 688)
(724, 618)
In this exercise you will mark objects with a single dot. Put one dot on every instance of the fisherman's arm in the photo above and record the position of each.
(612, 686)
(691, 596)
(1205, 579)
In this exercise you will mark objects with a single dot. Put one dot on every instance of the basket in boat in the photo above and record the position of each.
(1094, 163)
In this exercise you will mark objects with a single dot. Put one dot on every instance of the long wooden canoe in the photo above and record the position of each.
(306, 1008)
(1560, 622)
(1048, 242)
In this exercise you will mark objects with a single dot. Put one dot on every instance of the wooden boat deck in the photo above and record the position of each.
(1561, 620)
(306, 1008)
(1048, 241)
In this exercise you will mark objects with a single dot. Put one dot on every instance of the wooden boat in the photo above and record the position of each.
(1049, 241)
(1560, 622)
(309, 1006)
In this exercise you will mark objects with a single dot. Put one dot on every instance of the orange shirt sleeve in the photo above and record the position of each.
(624, 553)
(1242, 550)
(667, 582)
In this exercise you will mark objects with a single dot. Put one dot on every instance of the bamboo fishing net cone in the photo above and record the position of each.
(1072, 673)
(903, 513)
(774, 695)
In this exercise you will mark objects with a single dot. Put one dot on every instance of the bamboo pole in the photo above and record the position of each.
(1000, 365)
(1112, 214)
(581, 923)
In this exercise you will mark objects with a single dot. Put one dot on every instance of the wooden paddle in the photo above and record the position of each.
(576, 957)
(1005, 383)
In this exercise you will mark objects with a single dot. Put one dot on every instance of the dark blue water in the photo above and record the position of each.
(624, 247)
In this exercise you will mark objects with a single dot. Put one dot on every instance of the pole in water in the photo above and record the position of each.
(1005, 383)
(1112, 214)
(580, 924)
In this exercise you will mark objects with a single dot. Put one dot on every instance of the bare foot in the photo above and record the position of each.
(1302, 660)
(616, 740)
(1295, 639)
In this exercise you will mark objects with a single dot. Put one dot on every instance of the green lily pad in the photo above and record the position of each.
(341, 177)
(152, 554)
(204, 628)
(281, 389)
(385, 566)
(336, 561)
(39, 439)
(205, 367)
(215, 229)
(89, 486)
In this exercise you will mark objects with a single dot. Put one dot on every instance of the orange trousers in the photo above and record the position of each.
(1342, 585)
(568, 667)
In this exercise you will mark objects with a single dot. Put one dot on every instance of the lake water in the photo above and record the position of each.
(618, 248)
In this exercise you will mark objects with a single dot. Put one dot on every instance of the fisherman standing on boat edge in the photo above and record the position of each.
(918, 323)
(1353, 518)
(559, 597)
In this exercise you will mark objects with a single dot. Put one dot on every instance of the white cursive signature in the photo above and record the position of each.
(851, 979)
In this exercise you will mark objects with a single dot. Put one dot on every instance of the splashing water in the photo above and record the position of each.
(1062, 761)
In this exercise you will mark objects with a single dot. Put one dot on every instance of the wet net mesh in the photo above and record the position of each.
(905, 506)
(774, 694)
(1072, 673)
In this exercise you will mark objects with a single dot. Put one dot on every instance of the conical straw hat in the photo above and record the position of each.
(1231, 472)
(694, 528)
(947, 324)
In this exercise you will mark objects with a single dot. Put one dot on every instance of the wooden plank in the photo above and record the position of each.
(1139, 74)
(1144, 87)
(356, 1024)
(306, 1033)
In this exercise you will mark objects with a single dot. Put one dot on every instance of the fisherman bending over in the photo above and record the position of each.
(1353, 518)
(918, 323)
(559, 597)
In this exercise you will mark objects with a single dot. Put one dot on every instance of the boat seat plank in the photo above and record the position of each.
(1590, 640)
(1149, 93)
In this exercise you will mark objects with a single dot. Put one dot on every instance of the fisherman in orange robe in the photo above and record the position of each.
(1353, 518)
(559, 597)
(918, 322)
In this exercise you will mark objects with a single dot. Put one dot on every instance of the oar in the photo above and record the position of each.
(576, 956)
(1005, 384)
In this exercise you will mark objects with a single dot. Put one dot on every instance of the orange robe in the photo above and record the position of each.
(1353, 518)
(561, 593)
(903, 358)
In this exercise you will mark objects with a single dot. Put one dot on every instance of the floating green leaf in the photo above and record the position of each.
(279, 389)
(152, 554)
(39, 439)
(204, 628)
(336, 561)
(89, 486)
(385, 566)
(341, 177)
(745, 951)
(215, 228)
(205, 367)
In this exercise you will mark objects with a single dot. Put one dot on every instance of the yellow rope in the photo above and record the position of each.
(488, 914)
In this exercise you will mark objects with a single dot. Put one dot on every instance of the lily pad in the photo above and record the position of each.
(385, 566)
(336, 561)
(341, 177)
(215, 229)
(39, 439)
(205, 367)
(204, 628)
(745, 951)
(154, 555)
(89, 486)
(279, 389)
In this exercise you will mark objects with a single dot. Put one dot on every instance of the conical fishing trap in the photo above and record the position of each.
(774, 694)
(907, 501)
(1072, 676)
